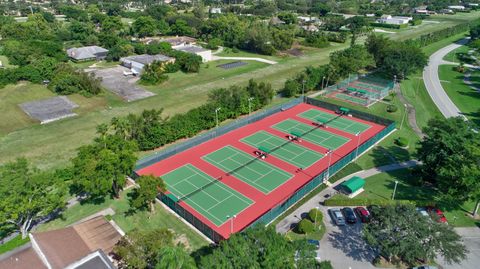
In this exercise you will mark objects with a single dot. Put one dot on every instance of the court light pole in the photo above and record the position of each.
(231, 222)
(404, 115)
(330, 153)
(394, 189)
(323, 79)
(303, 90)
(216, 115)
(358, 145)
(250, 105)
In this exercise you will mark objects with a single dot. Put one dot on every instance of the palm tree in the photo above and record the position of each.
(174, 258)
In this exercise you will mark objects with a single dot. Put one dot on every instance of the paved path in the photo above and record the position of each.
(219, 50)
(214, 58)
(471, 239)
(412, 113)
(286, 224)
(432, 81)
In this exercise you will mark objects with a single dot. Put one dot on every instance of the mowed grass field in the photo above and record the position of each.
(52, 145)
(381, 186)
(464, 97)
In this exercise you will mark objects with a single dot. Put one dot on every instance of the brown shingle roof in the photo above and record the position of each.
(23, 258)
(97, 233)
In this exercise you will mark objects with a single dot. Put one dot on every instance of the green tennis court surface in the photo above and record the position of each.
(208, 196)
(284, 149)
(320, 137)
(255, 172)
(349, 126)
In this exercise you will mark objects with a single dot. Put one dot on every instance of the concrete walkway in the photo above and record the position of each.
(286, 224)
(214, 58)
(432, 81)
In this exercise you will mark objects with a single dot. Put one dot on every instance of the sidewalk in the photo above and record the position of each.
(286, 224)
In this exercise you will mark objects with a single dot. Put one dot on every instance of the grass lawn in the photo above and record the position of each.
(464, 97)
(127, 221)
(14, 243)
(5, 62)
(386, 151)
(452, 56)
(434, 23)
(52, 145)
(381, 186)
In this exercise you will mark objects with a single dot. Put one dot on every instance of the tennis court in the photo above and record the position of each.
(349, 126)
(283, 149)
(251, 170)
(317, 136)
(210, 197)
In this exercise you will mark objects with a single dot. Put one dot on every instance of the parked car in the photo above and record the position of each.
(349, 215)
(422, 211)
(362, 214)
(438, 214)
(425, 267)
(337, 216)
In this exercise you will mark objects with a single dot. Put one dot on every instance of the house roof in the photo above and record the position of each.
(85, 52)
(175, 41)
(192, 49)
(71, 247)
(22, 258)
(146, 59)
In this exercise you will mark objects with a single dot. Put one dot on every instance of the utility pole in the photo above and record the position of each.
(216, 115)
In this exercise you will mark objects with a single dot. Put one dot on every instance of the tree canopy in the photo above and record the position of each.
(401, 234)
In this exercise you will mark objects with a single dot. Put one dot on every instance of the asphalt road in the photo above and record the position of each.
(432, 81)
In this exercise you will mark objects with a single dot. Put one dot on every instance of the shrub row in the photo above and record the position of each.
(386, 25)
(341, 200)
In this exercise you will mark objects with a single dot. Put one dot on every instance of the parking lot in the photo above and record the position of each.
(344, 246)
(126, 87)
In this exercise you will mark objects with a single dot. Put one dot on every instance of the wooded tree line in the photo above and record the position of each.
(150, 130)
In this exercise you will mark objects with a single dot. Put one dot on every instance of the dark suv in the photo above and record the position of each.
(349, 215)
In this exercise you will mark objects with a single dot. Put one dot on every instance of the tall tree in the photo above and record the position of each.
(174, 258)
(451, 159)
(102, 167)
(357, 25)
(149, 187)
(400, 233)
(27, 195)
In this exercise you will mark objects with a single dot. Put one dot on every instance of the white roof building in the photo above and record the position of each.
(136, 63)
(457, 7)
(206, 54)
(398, 20)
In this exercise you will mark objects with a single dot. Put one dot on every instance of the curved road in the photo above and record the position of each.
(433, 85)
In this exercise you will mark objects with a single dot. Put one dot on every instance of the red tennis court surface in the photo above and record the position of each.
(258, 202)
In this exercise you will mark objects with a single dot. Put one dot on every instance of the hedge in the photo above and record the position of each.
(315, 213)
(392, 108)
(401, 141)
(305, 226)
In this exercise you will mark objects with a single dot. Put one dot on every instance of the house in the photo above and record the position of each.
(216, 10)
(397, 20)
(179, 41)
(276, 21)
(136, 63)
(456, 7)
(206, 54)
(87, 53)
(304, 19)
(310, 28)
(81, 246)
(421, 11)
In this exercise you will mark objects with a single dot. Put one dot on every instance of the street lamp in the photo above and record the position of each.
(303, 90)
(358, 144)
(404, 114)
(231, 222)
(394, 189)
(330, 153)
(323, 79)
(250, 105)
(216, 115)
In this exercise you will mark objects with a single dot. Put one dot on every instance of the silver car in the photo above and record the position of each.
(337, 216)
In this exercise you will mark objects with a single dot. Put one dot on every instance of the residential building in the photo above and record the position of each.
(397, 20)
(87, 53)
(216, 10)
(310, 28)
(457, 7)
(206, 54)
(179, 41)
(136, 63)
(82, 246)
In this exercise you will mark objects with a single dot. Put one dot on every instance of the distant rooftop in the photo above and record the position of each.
(146, 58)
(85, 52)
(192, 49)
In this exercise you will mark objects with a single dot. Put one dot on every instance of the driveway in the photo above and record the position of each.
(433, 85)
(471, 239)
(124, 86)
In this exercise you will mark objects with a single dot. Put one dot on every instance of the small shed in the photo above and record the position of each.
(353, 186)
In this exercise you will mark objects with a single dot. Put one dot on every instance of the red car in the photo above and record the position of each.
(362, 214)
(438, 213)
